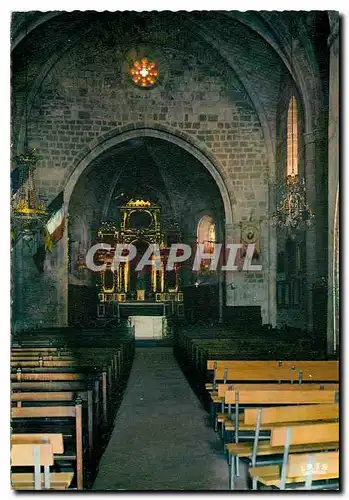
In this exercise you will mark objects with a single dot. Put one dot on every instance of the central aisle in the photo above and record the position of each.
(162, 439)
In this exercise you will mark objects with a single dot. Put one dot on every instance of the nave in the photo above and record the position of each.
(162, 438)
(213, 411)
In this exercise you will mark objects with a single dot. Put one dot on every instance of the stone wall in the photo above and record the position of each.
(87, 95)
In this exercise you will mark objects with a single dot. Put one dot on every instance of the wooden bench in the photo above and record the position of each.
(56, 412)
(301, 469)
(333, 366)
(278, 371)
(94, 360)
(275, 419)
(269, 372)
(280, 397)
(37, 450)
(301, 435)
(107, 373)
(50, 369)
(47, 379)
(219, 398)
(42, 398)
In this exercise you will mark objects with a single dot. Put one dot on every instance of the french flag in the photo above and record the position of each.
(56, 223)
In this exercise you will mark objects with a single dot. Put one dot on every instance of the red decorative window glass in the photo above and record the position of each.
(144, 73)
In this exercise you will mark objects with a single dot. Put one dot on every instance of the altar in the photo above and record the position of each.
(128, 283)
(148, 327)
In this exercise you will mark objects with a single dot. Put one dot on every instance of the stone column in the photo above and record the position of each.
(269, 250)
(333, 187)
(62, 277)
(228, 277)
(311, 233)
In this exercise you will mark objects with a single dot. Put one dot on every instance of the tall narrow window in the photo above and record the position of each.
(292, 138)
(206, 233)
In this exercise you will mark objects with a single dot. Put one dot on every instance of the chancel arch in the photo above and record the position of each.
(160, 190)
(182, 141)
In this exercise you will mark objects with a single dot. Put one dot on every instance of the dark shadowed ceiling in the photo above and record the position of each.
(157, 170)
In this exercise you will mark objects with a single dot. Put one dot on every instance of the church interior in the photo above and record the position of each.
(207, 142)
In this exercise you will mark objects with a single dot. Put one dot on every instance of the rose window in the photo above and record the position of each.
(144, 73)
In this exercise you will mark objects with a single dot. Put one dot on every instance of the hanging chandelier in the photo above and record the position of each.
(28, 214)
(293, 212)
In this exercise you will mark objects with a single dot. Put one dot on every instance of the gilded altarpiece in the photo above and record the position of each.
(140, 224)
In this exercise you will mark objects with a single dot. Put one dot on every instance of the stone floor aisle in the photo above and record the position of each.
(162, 438)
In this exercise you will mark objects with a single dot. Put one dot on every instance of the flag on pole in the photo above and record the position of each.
(55, 224)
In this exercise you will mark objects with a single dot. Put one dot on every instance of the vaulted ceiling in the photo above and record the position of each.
(251, 49)
(156, 170)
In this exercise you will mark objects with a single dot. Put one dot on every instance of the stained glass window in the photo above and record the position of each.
(144, 73)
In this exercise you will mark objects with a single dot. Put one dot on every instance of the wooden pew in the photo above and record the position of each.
(54, 439)
(295, 467)
(36, 454)
(26, 481)
(273, 418)
(84, 359)
(314, 470)
(223, 388)
(293, 365)
(94, 359)
(310, 371)
(20, 377)
(57, 412)
(52, 371)
(36, 398)
(107, 372)
(218, 399)
(279, 396)
(269, 372)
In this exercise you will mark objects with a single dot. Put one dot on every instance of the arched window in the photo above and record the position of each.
(206, 233)
(292, 138)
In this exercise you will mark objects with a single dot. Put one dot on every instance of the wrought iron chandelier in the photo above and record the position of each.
(28, 213)
(293, 212)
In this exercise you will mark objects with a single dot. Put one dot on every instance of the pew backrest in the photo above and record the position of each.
(55, 440)
(305, 434)
(49, 385)
(273, 370)
(223, 388)
(280, 397)
(295, 365)
(298, 413)
(31, 454)
(45, 376)
(317, 464)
